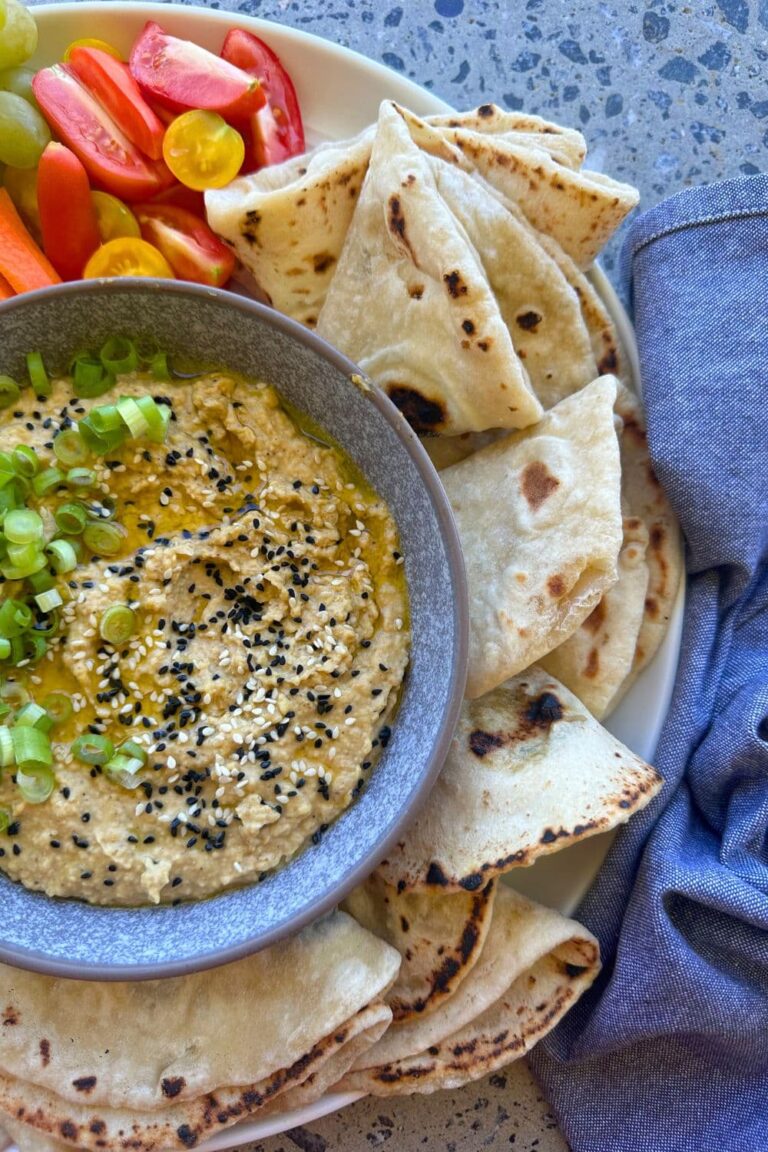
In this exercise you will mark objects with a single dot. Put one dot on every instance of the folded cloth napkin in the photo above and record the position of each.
(670, 1051)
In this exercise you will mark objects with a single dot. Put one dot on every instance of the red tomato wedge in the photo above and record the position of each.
(182, 197)
(182, 76)
(188, 244)
(111, 82)
(113, 163)
(67, 216)
(277, 129)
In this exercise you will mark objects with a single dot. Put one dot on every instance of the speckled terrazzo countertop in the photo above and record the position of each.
(668, 95)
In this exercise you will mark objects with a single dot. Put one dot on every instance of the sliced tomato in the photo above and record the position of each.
(110, 159)
(182, 75)
(67, 215)
(182, 197)
(111, 82)
(188, 244)
(277, 130)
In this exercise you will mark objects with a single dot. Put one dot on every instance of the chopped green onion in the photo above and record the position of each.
(81, 478)
(35, 646)
(23, 526)
(31, 748)
(123, 770)
(13, 571)
(117, 624)
(35, 781)
(41, 581)
(105, 539)
(25, 461)
(13, 693)
(38, 377)
(157, 416)
(6, 747)
(47, 480)
(15, 617)
(119, 355)
(70, 518)
(26, 557)
(62, 555)
(5, 819)
(9, 391)
(93, 749)
(5, 651)
(58, 706)
(158, 366)
(41, 629)
(47, 601)
(132, 748)
(33, 715)
(100, 442)
(90, 378)
(146, 349)
(106, 418)
(132, 416)
(69, 449)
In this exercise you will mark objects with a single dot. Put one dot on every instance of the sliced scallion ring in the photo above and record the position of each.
(9, 391)
(70, 518)
(93, 749)
(25, 461)
(13, 693)
(47, 480)
(6, 747)
(81, 478)
(58, 706)
(157, 416)
(132, 416)
(35, 781)
(104, 538)
(31, 748)
(33, 715)
(69, 448)
(23, 526)
(47, 601)
(38, 377)
(90, 378)
(119, 355)
(5, 651)
(117, 624)
(62, 555)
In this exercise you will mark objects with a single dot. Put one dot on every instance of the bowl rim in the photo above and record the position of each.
(34, 960)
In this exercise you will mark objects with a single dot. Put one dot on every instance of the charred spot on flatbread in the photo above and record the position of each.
(85, 1084)
(529, 321)
(481, 743)
(556, 586)
(68, 1130)
(11, 1016)
(172, 1085)
(596, 618)
(455, 284)
(323, 261)
(544, 711)
(609, 362)
(422, 414)
(537, 484)
(45, 1052)
(186, 1135)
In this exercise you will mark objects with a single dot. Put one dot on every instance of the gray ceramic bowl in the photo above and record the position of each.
(70, 938)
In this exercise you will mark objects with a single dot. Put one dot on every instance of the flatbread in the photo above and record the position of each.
(529, 772)
(579, 209)
(644, 497)
(152, 1054)
(287, 222)
(566, 145)
(439, 937)
(540, 308)
(595, 661)
(411, 304)
(539, 518)
(533, 967)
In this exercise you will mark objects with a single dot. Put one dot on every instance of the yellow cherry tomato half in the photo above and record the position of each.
(91, 42)
(113, 218)
(127, 256)
(202, 150)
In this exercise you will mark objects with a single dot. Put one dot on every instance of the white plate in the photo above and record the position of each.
(340, 92)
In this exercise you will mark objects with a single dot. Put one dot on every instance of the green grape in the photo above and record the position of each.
(21, 185)
(19, 80)
(18, 35)
(23, 132)
(3, 7)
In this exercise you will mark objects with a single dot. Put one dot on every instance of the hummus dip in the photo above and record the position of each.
(270, 643)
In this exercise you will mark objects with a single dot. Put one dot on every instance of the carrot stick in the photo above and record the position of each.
(5, 289)
(22, 263)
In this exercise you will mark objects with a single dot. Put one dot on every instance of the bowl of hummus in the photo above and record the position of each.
(232, 628)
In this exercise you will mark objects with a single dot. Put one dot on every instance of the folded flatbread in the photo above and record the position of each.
(596, 660)
(534, 965)
(529, 772)
(644, 497)
(539, 517)
(439, 937)
(566, 145)
(85, 1061)
(539, 306)
(579, 209)
(410, 301)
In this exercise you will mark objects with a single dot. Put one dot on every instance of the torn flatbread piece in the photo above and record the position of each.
(67, 1069)
(411, 304)
(287, 222)
(540, 308)
(579, 209)
(529, 772)
(596, 660)
(439, 936)
(533, 967)
(539, 518)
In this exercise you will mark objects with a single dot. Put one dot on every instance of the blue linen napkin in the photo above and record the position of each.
(669, 1051)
